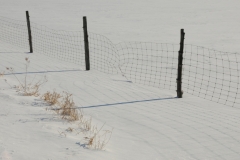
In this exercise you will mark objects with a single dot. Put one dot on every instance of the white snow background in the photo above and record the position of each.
(149, 122)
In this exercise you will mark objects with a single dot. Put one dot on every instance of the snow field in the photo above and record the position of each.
(149, 123)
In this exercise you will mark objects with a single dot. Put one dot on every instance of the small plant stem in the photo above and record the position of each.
(17, 79)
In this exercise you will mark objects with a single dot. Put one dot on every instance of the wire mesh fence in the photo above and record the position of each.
(211, 74)
(14, 32)
(63, 45)
(103, 54)
(207, 73)
(152, 64)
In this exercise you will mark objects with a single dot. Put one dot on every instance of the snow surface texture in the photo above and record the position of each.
(149, 123)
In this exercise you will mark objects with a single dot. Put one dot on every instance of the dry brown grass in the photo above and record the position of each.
(86, 124)
(67, 108)
(51, 98)
(64, 106)
(98, 139)
(25, 88)
(2, 73)
(98, 142)
(30, 89)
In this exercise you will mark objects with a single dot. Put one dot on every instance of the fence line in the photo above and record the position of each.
(211, 74)
(207, 73)
(153, 64)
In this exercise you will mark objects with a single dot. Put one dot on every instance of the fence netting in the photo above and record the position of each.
(63, 45)
(103, 54)
(207, 73)
(211, 74)
(14, 32)
(152, 64)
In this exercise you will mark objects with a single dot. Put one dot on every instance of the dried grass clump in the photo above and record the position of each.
(63, 105)
(25, 88)
(67, 108)
(86, 124)
(51, 98)
(30, 89)
(99, 139)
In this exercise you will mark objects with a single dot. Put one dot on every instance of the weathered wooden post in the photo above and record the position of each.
(87, 58)
(180, 60)
(29, 32)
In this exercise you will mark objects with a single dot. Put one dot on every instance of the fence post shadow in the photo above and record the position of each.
(130, 102)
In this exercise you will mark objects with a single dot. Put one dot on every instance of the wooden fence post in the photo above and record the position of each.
(29, 32)
(87, 58)
(180, 59)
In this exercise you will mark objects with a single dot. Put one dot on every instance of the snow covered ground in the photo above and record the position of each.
(149, 123)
